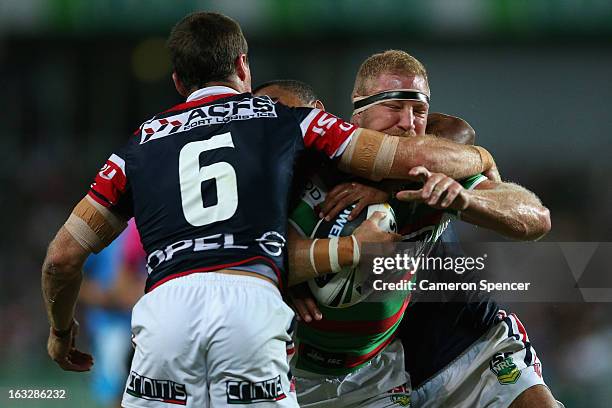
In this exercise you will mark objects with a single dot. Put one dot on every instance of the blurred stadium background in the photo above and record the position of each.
(532, 77)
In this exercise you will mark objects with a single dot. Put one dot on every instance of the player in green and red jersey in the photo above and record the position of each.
(351, 348)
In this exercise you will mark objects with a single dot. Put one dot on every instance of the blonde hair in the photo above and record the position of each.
(388, 62)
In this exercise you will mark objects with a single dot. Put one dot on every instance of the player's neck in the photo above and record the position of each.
(238, 86)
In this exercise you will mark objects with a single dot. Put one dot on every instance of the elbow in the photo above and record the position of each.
(537, 228)
(58, 262)
(544, 223)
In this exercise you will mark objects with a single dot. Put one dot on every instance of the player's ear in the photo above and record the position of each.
(319, 105)
(180, 88)
(242, 69)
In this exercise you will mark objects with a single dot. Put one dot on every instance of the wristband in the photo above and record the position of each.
(333, 255)
(61, 334)
(356, 251)
(312, 260)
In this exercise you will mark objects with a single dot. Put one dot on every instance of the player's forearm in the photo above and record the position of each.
(60, 285)
(439, 156)
(376, 156)
(309, 259)
(61, 280)
(509, 210)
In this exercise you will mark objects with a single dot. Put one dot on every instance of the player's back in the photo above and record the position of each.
(218, 186)
(208, 181)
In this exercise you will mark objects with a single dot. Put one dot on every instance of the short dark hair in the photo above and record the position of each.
(300, 89)
(204, 46)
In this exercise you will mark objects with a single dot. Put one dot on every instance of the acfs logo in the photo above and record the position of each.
(172, 126)
(244, 109)
(246, 392)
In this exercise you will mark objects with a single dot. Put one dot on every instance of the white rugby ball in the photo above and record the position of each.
(345, 288)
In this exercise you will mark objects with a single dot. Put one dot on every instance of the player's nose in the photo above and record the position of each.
(406, 120)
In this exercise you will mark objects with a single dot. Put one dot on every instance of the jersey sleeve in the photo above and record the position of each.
(303, 217)
(111, 187)
(470, 183)
(323, 131)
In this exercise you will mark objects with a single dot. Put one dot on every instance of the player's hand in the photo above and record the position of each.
(62, 350)
(369, 231)
(438, 191)
(346, 194)
(304, 304)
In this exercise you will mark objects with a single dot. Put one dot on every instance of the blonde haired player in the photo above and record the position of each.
(470, 375)
(406, 114)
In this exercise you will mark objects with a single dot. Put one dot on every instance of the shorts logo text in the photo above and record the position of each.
(166, 391)
(246, 392)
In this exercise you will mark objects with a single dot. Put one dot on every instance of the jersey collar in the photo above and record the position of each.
(204, 95)
(211, 93)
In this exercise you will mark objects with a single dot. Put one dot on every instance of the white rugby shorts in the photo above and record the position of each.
(211, 340)
(382, 382)
(492, 373)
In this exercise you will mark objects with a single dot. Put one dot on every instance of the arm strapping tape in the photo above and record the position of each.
(93, 226)
(370, 154)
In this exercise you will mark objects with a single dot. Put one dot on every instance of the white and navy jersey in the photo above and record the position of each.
(438, 327)
(208, 180)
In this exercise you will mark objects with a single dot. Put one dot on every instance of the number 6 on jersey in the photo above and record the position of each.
(191, 177)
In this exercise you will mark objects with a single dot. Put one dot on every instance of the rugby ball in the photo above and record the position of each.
(345, 288)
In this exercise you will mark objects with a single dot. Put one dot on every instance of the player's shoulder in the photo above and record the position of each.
(296, 114)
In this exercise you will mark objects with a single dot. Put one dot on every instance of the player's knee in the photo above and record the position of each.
(537, 396)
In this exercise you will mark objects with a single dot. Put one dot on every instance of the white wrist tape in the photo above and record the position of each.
(356, 251)
(312, 260)
(333, 255)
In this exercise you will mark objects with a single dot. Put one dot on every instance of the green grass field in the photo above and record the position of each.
(22, 373)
